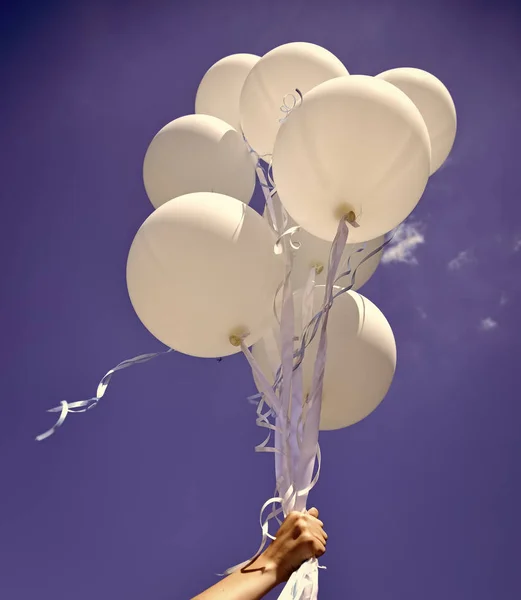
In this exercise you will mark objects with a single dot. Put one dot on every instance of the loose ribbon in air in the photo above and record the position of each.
(84, 405)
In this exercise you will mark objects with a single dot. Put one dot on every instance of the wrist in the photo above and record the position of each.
(274, 567)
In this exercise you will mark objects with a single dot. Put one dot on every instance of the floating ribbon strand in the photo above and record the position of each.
(84, 405)
(64, 410)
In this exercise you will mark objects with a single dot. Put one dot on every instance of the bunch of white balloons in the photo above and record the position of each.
(205, 268)
(342, 160)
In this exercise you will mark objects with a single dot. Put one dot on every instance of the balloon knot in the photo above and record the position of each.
(235, 340)
(239, 335)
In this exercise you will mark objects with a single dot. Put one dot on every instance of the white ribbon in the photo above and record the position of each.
(297, 421)
(303, 584)
(84, 405)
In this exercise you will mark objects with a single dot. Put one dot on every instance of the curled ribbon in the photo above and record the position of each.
(84, 405)
(286, 108)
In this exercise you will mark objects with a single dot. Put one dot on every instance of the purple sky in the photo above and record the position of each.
(158, 489)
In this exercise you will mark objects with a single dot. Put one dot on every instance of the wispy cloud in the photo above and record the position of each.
(463, 258)
(421, 313)
(503, 299)
(407, 237)
(517, 244)
(488, 324)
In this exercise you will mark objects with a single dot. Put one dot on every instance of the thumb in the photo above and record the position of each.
(313, 512)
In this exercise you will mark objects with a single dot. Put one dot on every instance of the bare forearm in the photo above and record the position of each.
(300, 537)
(251, 583)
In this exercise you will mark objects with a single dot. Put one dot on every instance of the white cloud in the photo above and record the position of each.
(487, 324)
(407, 237)
(463, 258)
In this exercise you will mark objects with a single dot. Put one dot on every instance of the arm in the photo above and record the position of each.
(250, 583)
(299, 538)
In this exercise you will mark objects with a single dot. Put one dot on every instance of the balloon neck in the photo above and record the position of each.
(238, 336)
(346, 212)
(318, 268)
(350, 217)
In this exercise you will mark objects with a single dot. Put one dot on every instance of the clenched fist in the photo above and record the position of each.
(300, 537)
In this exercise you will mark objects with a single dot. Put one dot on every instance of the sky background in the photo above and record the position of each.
(158, 488)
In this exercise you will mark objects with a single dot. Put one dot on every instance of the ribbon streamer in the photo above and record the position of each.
(84, 405)
(296, 450)
(295, 470)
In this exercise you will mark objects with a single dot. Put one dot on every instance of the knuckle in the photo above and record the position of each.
(307, 537)
(301, 521)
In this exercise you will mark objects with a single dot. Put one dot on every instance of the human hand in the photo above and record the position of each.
(300, 537)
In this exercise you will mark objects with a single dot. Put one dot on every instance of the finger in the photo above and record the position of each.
(319, 549)
(321, 537)
(313, 512)
(314, 520)
(316, 525)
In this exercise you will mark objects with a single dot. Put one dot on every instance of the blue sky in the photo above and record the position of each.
(158, 488)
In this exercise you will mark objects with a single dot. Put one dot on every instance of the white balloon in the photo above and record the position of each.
(314, 253)
(198, 153)
(201, 268)
(278, 74)
(434, 102)
(361, 358)
(220, 88)
(355, 144)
